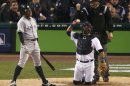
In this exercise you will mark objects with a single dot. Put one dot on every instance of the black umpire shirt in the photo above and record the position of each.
(100, 19)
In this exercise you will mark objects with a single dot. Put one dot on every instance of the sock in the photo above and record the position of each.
(41, 74)
(17, 72)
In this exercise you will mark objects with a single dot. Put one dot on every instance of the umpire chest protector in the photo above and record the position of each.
(84, 44)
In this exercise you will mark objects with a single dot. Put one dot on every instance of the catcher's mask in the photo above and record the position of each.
(86, 28)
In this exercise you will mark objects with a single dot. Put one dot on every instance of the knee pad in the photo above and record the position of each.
(77, 82)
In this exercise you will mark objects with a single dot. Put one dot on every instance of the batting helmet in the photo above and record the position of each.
(24, 8)
(86, 28)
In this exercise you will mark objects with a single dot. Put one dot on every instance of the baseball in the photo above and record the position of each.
(78, 20)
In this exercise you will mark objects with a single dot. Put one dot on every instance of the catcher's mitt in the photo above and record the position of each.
(102, 68)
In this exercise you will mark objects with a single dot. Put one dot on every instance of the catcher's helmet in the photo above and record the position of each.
(86, 28)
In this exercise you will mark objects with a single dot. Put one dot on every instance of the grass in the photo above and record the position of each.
(7, 69)
(58, 41)
(121, 74)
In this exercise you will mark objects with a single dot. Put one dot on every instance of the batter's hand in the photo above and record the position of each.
(102, 68)
(26, 49)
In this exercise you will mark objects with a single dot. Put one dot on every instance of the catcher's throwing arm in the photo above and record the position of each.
(50, 65)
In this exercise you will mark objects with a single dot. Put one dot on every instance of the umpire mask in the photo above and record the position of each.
(86, 28)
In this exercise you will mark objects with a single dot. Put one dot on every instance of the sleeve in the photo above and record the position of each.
(21, 37)
(20, 26)
(68, 33)
(96, 43)
(73, 35)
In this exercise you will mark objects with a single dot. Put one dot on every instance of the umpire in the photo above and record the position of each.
(100, 18)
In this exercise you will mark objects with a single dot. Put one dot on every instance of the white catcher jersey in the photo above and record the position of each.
(27, 27)
(95, 45)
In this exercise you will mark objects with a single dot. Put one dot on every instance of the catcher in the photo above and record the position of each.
(85, 45)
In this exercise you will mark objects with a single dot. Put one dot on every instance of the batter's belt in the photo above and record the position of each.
(85, 61)
(32, 39)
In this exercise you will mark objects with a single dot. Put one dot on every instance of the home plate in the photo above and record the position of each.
(60, 84)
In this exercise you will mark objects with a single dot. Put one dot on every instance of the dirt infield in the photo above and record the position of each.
(112, 59)
(114, 81)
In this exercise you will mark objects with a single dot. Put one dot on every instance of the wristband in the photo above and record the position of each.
(72, 26)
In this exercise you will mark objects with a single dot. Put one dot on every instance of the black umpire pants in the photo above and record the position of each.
(102, 36)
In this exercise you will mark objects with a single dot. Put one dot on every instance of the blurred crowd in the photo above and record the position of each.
(63, 11)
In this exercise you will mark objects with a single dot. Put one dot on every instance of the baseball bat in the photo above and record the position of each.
(49, 64)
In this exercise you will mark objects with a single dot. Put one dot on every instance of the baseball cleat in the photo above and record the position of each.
(94, 82)
(83, 79)
(13, 83)
(88, 83)
(48, 84)
(106, 79)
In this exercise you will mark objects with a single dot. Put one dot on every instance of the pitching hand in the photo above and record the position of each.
(76, 21)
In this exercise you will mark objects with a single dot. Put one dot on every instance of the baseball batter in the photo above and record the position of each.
(85, 45)
(27, 30)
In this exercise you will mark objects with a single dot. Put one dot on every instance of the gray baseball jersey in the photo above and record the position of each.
(29, 29)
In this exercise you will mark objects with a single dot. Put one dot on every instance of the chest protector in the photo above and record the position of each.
(84, 45)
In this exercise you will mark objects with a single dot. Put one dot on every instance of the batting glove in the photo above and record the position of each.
(26, 49)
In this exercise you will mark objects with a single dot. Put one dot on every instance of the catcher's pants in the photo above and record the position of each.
(33, 48)
(84, 69)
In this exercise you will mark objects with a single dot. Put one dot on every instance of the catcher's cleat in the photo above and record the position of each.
(83, 79)
(48, 84)
(96, 79)
(88, 83)
(13, 83)
(94, 82)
